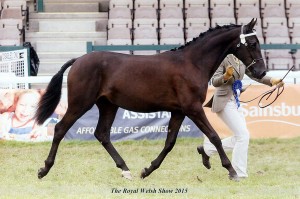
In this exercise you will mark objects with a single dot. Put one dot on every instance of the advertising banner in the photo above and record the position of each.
(281, 119)
(130, 125)
(17, 107)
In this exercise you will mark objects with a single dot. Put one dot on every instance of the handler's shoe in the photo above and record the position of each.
(205, 158)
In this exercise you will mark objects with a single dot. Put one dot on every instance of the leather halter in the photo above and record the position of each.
(244, 42)
(243, 36)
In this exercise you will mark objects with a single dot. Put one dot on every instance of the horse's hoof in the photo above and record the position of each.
(127, 175)
(41, 173)
(143, 173)
(205, 158)
(234, 178)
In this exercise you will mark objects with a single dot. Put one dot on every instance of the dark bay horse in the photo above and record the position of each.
(174, 81)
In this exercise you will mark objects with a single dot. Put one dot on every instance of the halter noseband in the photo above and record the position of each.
(244, 42)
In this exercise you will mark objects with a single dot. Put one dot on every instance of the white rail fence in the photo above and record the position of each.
(13, 81)
(14, 72)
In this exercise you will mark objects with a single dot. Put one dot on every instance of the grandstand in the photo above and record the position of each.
(59, 29)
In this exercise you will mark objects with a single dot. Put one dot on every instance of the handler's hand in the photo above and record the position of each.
(277, 82)
(229, 73)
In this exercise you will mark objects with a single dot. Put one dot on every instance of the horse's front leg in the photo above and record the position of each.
(196, 113)
(173, 129)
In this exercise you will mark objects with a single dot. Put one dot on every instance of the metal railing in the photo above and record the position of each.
(90, 47)
(39, 5)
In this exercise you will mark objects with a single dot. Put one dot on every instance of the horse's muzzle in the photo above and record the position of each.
(262, 75)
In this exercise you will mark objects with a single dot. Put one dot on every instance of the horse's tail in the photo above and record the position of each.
(51, 98)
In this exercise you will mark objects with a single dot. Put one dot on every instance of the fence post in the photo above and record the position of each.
(89, 47)
(40, 5)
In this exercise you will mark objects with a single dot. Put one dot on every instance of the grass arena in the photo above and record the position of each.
(85, 170)
(63, 91)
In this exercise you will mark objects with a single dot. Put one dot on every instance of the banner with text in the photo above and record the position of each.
(280, 119)
(130, 125)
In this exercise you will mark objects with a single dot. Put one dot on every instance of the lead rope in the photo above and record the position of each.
(269, 93)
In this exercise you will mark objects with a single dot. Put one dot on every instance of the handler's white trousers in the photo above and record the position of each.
(238, 143)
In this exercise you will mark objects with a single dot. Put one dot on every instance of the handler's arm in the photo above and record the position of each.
(265, 80)
(218, 77)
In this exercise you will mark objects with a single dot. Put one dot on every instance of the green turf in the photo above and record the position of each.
(83, 169)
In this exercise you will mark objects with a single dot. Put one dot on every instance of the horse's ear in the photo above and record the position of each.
(252, 24)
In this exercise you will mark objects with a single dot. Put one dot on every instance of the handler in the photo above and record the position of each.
(225, 103)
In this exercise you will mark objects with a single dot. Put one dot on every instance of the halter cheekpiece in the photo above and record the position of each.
(243, 36)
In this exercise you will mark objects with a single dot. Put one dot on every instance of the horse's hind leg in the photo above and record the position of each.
(197, 115)
(108, 112)
(173, 129)
(61, 128)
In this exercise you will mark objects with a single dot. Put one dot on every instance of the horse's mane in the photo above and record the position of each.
(201, 35)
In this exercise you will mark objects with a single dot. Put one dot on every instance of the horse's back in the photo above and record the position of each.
(113, 63)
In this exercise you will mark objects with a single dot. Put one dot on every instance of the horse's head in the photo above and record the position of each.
(248, 50)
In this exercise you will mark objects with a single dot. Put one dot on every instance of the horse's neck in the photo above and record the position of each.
(213, 50)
